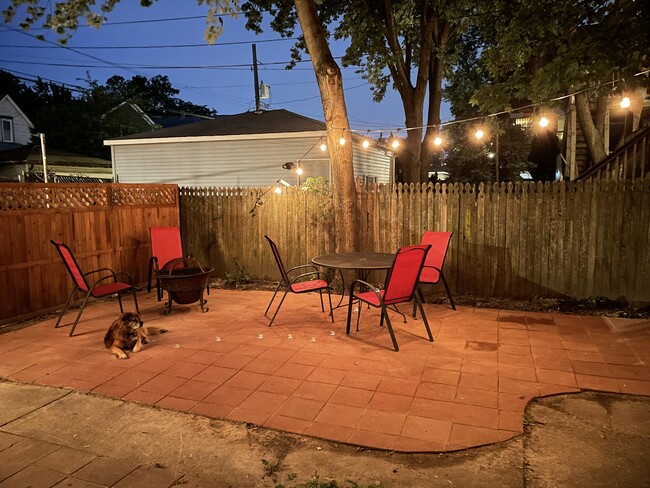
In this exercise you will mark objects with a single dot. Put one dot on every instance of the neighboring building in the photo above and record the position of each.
(26, 164)
(15, 127)
(128, 118)
(245, 149)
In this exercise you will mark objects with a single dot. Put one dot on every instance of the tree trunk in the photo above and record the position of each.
(409, 154)
(428, 150)
(330, 84)
(592, 137)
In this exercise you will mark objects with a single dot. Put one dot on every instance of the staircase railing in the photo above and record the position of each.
(630, 161)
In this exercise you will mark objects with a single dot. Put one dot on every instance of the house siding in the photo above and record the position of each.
(230, 163)
(21, 126)
(373, 162)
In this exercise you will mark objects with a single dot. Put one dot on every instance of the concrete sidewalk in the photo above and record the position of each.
(60, 437)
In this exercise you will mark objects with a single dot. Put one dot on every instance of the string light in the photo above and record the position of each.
(342, 141)
(299, 169)
(543, 122)
(395, 143)
(365, 143)
(323, 147)
(437, 140)
(479, 134)
(625, 102)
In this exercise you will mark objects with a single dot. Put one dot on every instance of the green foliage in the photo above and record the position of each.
(316, 482)
(470, 161)
(64, 17)
(80, 123)
(271, 468)
(238, 277)
(321, 190)
(532, 50)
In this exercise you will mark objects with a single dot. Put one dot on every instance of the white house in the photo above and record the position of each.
(15, 126)
(246, 149)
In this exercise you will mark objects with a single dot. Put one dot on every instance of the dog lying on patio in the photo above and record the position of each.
(126, 333)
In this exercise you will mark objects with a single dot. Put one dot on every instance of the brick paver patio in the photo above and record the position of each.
(305, 376)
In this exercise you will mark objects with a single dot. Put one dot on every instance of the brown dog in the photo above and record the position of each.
(127, 332)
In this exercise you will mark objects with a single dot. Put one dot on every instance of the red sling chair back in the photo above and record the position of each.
(105, 284)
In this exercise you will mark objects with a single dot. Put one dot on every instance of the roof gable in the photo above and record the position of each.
(9, 100)
(265, 122)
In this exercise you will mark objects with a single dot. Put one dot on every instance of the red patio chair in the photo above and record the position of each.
(98, 289)
(400, 286)
(432, 269)
(295, 285)
(165, 247)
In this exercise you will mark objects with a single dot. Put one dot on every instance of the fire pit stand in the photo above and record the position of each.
(185, 281)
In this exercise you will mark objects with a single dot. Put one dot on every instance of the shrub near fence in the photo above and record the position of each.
(523, 240)
(106, 225)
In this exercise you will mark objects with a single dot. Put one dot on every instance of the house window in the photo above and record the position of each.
(7, 130)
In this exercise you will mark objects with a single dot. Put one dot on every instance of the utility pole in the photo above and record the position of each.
(43, 156)
(256, 80)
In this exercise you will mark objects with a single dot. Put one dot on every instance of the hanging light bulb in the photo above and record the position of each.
(437, 140)
(479, 134)
(395, 143)
(365, 143)
(543, 122)
(299, 169)
(323, 147)
(278, 190)
(625, 102)
(342, 141)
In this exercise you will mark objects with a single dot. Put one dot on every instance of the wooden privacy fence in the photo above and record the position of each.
(105, 225)
(523, 240)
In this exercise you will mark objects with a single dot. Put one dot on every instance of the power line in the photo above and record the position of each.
(168, 46)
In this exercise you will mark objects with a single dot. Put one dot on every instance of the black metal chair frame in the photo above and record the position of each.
(287, 282)
(441, 276)
(88, 289)
(384, 307)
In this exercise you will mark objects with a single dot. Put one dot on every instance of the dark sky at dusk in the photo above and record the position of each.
(219, 76)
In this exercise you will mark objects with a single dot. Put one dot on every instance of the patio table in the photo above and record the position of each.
(362, 262)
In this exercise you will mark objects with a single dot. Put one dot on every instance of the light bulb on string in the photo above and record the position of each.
(437, 140)
(342, 141)
(543, 122)
(299, 169)
(365, 143)
(625, 102)
(479, 134)
(278, 190)
(323, 147)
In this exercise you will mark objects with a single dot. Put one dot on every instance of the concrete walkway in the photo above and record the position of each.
(57, 437)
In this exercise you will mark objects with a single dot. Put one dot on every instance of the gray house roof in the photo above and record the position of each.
(270, 121)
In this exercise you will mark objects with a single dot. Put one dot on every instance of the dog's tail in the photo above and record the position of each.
(108, 338)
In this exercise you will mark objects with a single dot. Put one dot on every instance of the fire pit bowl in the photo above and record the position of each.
(185, 281)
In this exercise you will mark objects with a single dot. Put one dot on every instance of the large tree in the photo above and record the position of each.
(538, 50)
(65, 18)
(398, 42)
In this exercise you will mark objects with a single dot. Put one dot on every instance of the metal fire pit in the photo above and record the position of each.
(185, 281)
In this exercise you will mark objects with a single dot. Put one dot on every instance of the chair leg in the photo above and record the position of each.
(417, 290)
(150, 275)
(329, 297)
(347, 328)
(359, 314)
(444, 282)
(320, 294)
(424, 319)
(119, 300)
(83, 306)
(135, 300)
(384, 312)
(65, 308)
(278, 309)
(272, 298)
